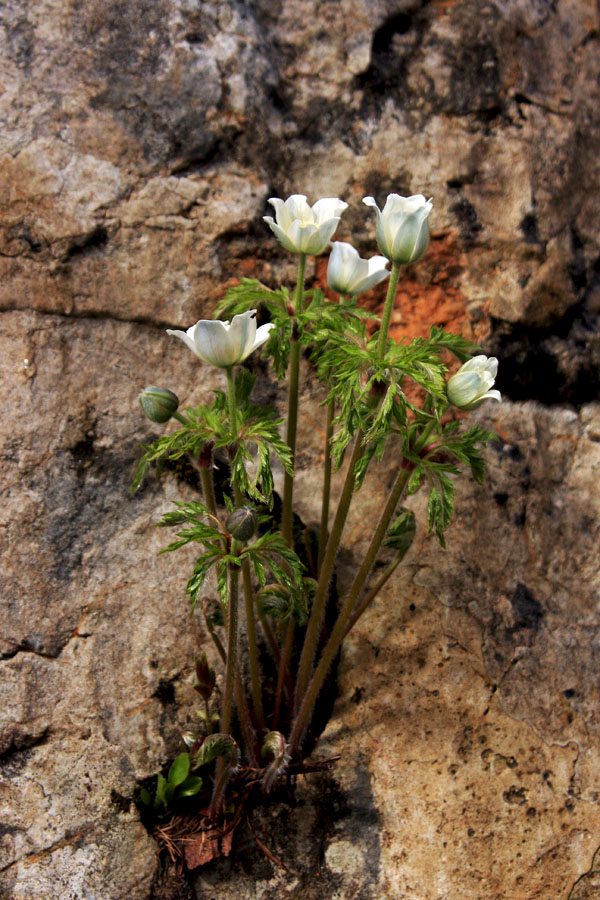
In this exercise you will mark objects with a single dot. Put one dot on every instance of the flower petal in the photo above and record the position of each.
(241, 334)
(319, 240)
(476, 364)
(370, 201)
(213, 345)
(262, 335)
(281, 212)
(280, 234)
(298, 208)
(299, 235)
(187, 340)
(328, 208)
(374, 275)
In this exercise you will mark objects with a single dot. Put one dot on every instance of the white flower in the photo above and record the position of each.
(471, 384)
(305, 229)
(224, 344)
(348, 274)
(402, 227)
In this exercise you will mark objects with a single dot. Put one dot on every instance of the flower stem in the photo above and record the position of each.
(287, 516)
(231, 399)
(315, 621)
(387, 310)
(232, 629)
(252, 645)
(208, 490)
(270, 637)
(245, 721)
(209, 724)
(326, 483)
(247, 580)
(282, 673)
(217, 643)
(337, 635)
(366, 602)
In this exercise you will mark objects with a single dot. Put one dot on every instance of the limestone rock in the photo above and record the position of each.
(97, 644)
(468, 736)
(140, 143)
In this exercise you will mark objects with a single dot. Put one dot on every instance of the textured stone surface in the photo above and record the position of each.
(140, 143)
(97, 645)
(467, 718)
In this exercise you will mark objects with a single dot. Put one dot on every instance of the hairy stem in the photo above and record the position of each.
(248, 603)
(209, 724)
(245, 721)
(337, 635)
(270, 636)
(283, 672)
(208, 490)
(217, 643)
(366, 601)
(287, 516)
(232, 636)
(326, 483)
(387, 310)
(315, 621)
(252, 645)
(231, 399)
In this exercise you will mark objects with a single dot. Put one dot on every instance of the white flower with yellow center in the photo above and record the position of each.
(302, 228)
(224, 344)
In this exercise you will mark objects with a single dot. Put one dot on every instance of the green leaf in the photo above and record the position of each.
(247, 295)
(145, 797)
(402, 533)
(159, 795)
(179, 769)
(190, 787)
(441, 502)
(276, 600)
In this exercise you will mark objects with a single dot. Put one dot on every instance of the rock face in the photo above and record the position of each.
(140, 144)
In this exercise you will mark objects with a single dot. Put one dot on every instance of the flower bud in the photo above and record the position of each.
(402, 227)
(242, 523)
(471, 385)
(159, 404)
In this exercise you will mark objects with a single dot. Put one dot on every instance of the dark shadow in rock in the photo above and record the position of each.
(556, 364)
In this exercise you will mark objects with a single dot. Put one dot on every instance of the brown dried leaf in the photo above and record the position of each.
(200, 849)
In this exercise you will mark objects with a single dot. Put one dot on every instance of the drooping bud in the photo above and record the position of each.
(242, 523)
(159, 404)
(206, 677)
(275, 746)
(218, 745)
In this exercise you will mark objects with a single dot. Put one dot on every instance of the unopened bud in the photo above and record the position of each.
(206, 677)
(242, 523)
(159, 404)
